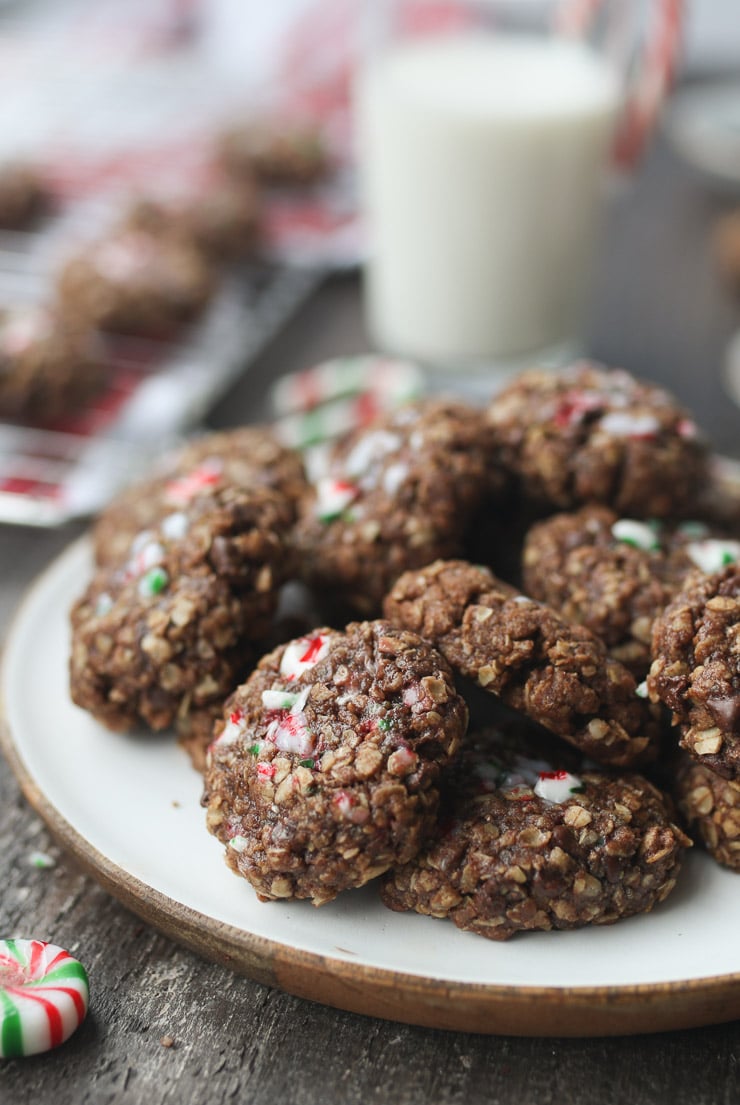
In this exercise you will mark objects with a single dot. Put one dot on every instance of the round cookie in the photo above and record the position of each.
(588, 434)
(523, 844)
(223, 224)
(133, 282)
(278, 151)
(249, 457)
(397, 495)
(22, 196)
(696, 668)
(557, 673)
(615, 575)
(710, 806)
(48, 366)
(168, 633)
(325, 772)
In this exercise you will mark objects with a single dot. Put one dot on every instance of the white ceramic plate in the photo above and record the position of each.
(128, 805)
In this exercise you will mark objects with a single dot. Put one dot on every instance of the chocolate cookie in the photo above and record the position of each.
(133, 282)
(22, 196)
(170, 631)
(696, 670)
(588, 434)
(223, 224)
(557, 673)
(276, 150)
(326, 770)
(615, 575)
(711, 808)
(524, 844)
(249, 457)
(397, 495)
(48, 366)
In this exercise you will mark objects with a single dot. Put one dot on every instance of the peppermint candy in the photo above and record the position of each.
(574, 406)
(557, 786)
(303, 654)
(333, 497)
(640, 427)
(287, 728)
(153, 583)
(44, 995)
(639, 535)
(348, 807)
(183, 490)
(712, 556)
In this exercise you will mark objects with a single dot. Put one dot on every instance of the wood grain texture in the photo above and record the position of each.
(237, 1040)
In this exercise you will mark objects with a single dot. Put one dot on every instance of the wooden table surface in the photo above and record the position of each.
(660, 311)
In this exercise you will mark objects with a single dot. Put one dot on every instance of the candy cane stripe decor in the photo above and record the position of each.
(44, 995)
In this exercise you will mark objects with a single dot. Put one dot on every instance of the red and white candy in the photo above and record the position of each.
(44, 995)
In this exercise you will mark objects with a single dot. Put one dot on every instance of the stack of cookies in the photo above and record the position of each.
(347, 753)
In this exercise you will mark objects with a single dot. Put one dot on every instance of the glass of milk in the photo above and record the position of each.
(483, 145)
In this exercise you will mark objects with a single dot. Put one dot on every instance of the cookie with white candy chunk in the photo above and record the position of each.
(169, 632)
(555, 672)
(325, 769)
(696, 668)
(615, 575)
(247, 458)
(591, 434)
(524, 843)
(396, 495)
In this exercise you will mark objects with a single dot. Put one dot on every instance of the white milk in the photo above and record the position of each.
(482, 166)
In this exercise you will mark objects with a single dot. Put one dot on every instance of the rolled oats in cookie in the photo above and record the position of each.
(168, 633)
(325, 772)
(536, 662)
(615, 575)
(696, 667)
(524, 844)
(590, 434)
(710, 806)
(133, 282)
(396, 495)
(248, 458)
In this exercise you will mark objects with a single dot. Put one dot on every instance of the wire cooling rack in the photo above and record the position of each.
(53, 471)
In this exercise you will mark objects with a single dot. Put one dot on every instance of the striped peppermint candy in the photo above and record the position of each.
(44, 994)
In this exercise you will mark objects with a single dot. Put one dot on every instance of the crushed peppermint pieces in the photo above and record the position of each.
(557, 786)
(333, 497)
(635, 426)
(302, 655)
(41, 861)
(640, 535)
(181, 491)
(712, 555)
(153, 583)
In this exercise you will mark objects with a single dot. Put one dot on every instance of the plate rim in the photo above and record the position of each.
(485, 1008)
